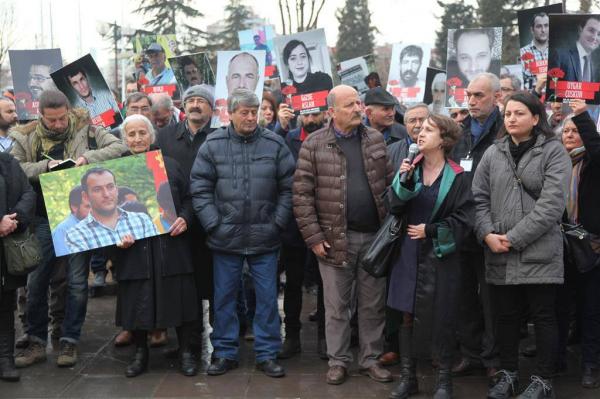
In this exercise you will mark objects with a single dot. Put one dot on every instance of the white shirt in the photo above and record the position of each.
(582, 53)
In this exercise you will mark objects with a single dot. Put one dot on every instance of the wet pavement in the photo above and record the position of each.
(99, 372)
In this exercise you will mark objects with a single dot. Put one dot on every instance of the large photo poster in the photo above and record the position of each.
(353, 72)
(31, 71)
(261, 38)
(85, 87)
(573, 60)
(470, 52)
(93, 206)
(191, 70)
(408, 70)
(236, 69)
(534, 32)
(305, 70)
(154, 73)
(435, 91)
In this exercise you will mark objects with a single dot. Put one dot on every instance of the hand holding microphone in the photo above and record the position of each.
(406, 169)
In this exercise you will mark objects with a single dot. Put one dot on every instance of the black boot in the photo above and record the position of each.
(443, 386)
(187, 361)
(408, 384)
(8, 372)
(291, 346)
(139, 364)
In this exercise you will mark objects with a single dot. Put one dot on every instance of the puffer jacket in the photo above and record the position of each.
(320, 187)
(242, 190)
(506, 204)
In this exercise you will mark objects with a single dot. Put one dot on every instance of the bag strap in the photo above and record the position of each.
(91, 137)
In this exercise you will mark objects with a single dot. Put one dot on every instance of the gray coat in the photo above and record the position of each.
(503, 206)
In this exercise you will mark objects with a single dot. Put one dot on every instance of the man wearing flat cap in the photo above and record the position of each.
(159, 74)
(181, 141)
(380, 111)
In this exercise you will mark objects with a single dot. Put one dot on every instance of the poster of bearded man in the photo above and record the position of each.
(408, 72)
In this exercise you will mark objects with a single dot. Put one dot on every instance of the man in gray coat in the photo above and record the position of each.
(241, 184)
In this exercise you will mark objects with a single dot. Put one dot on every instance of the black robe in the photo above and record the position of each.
(438, 270)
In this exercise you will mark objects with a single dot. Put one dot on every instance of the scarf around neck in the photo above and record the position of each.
(45, 138)
(577, 155)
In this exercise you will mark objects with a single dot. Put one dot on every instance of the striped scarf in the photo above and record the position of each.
(577, 155)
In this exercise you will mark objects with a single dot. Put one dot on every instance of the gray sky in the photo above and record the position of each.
(397, 20)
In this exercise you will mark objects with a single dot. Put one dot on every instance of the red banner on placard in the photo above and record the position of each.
(317, 99)
(583, 86)
(169, 89)
(105, 119)
(155, 162)
(405, 92)
(459, 95)
(577, 94)
(536, 67)
(270, 70)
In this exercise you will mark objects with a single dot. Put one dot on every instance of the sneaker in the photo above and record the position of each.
(539, 388)
(507, 384)
(99, 279)
(34, 353)
(68, 354)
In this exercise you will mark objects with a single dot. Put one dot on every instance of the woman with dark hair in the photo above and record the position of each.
(156, 287)
(268, 111)
(437, 206)
(520, 188)
(17, 204)
(582, 141)
(297, 59)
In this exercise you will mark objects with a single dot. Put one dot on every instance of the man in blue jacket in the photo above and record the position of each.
(241, 184)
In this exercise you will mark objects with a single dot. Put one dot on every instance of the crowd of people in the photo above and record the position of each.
(481, 253)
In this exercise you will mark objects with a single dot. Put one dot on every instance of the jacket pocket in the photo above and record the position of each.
(544, 249)
(494, 259)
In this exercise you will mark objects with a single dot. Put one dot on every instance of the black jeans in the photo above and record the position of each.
(293, 260)
(475, 327)
(8, 304)
(509, 302)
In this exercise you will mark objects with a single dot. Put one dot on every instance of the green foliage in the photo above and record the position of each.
(238, 17)
(172, 17)
(129, 171)
(356, 34)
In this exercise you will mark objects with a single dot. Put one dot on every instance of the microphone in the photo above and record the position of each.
(413, 150)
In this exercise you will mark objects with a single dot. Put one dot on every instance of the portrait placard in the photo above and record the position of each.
(93, 206)
(191, 70)
(408, 70)
(85, 87)
(236, 69)
(573, 59)
(31, 71)
(305, 70)
(534, 31)
(261, 38)
(470, 52)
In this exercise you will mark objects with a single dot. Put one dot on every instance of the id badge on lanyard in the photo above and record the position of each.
(467, 163)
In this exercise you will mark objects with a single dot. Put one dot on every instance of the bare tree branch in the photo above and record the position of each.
(7, 29)
(314, 23)
(282, 17)
(312, 11)
(287, 5)
(302, 13)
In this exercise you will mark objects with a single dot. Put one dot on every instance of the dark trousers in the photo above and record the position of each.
(475, 327)
(293, 260)
(509, 302)
(8, 304)
(590, 317)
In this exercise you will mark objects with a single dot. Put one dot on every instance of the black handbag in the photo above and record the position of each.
(376, 260)
(22, 252)
(578, 247)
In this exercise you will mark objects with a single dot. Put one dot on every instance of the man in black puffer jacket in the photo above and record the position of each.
(241, 184)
